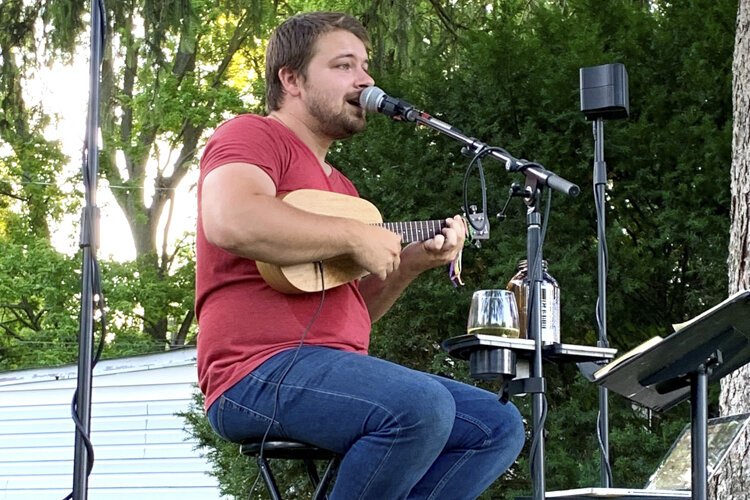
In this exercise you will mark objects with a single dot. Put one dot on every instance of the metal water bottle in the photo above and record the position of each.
(550, 300)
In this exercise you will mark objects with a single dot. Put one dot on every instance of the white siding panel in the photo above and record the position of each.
(103, 466)
(129, 451)
(98, 438)
(41, 412)
(143, 480)
(141, 448)
(107, 394)
(113, 423)
(127, 492)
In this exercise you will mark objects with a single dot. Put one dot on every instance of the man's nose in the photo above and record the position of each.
(364, 79)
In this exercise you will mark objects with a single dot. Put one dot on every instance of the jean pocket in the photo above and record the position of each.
(238, 423)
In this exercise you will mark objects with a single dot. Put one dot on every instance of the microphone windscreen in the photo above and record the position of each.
(370, 98)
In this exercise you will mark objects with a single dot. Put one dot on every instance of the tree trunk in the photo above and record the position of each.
(733, 479)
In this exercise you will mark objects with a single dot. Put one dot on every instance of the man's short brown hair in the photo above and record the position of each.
(292, 46)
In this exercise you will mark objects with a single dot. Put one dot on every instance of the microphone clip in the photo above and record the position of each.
(399, 110)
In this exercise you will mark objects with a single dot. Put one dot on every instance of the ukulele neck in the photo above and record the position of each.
(416, 230)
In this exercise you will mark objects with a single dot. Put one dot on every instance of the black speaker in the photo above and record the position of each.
(604, 92)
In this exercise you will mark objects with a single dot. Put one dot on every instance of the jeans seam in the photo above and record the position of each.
(220, 415)
(479, 424)
(254, 376)
(382, 463)
(448, 475)
(466, 456)
(345, 396)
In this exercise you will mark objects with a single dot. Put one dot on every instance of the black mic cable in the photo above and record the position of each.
(297, 349)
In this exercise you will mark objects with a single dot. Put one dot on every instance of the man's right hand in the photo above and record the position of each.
(377, 250)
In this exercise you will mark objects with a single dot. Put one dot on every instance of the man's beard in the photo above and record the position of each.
(336, 125)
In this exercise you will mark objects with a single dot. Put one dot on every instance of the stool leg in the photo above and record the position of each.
(268, 478)
(312, 472)
(321, 492)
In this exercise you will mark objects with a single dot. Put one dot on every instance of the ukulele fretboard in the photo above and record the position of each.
(416, 230)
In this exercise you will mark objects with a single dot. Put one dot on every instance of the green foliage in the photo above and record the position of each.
(30, 165)
(513, 81)
(239, 475)
(234, 472)
(132, 289)
(64, 21)
(503, 71)
(38, 309)
(163, 88)
(40, 305)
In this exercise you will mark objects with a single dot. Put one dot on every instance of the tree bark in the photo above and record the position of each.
(732, 480)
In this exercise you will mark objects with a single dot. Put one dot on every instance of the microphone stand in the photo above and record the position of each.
(89, 243)
(534, 332)
(536, 178)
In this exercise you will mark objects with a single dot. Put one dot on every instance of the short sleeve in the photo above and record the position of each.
(246, 139)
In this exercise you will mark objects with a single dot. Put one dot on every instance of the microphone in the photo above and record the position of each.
(375, 100)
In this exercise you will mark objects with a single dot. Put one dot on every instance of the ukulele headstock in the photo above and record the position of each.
(478, 226)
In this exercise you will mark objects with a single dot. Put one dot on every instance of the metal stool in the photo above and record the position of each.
(294, 450)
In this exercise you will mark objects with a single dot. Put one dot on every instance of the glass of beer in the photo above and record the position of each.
(493, 312)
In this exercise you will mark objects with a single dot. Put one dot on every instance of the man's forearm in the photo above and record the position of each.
(380, 295)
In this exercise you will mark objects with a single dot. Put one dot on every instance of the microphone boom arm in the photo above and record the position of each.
(530, 169)
(375, 100)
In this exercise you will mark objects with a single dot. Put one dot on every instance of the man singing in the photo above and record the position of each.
(295, 366)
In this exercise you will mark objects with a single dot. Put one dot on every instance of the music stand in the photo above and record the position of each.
(712, 345)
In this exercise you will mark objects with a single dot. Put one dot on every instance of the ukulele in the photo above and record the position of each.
(303, 278)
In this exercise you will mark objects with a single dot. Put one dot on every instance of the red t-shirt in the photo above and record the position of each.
(242, 321)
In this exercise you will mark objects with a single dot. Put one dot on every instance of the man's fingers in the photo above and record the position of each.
(438, 242)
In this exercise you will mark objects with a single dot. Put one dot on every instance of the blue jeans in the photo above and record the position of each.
(403, 433)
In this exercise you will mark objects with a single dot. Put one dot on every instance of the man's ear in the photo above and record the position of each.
(291, 81)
